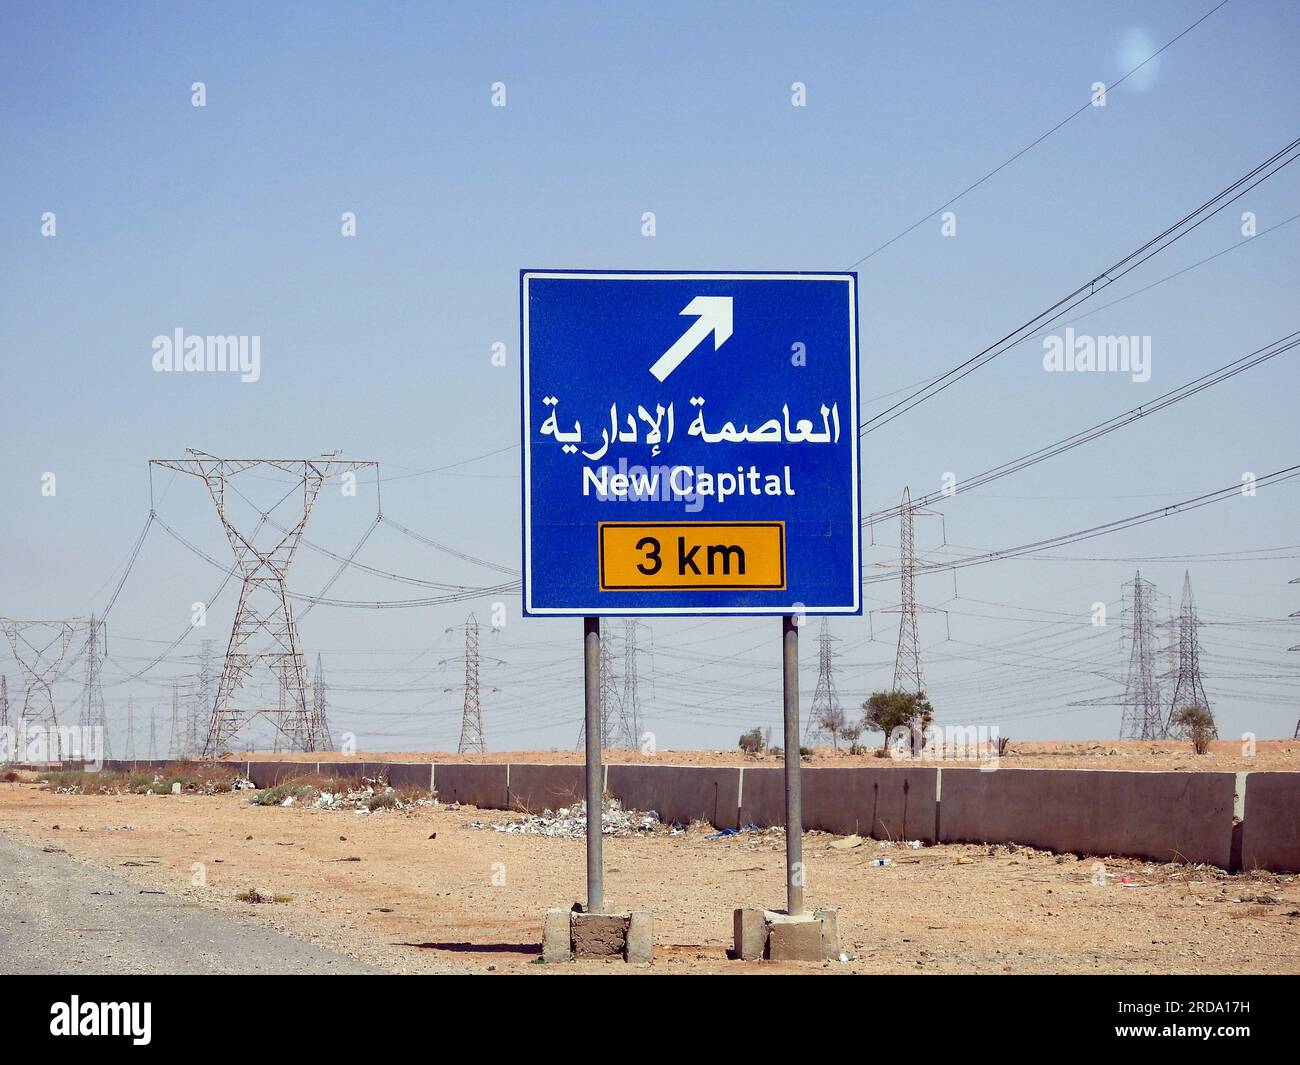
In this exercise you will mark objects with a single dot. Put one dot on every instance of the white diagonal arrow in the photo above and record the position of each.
(714, 317)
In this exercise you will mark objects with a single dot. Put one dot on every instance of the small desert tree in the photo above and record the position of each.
(852, 733)
(887, 711)
(1196, 722)
(753, 741)
(832, 720)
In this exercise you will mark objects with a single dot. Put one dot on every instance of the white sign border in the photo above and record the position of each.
(526, 468)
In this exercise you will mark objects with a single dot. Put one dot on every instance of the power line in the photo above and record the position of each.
(1035, 142)
(1063, 306)
(1084, 436)
(1119, 524)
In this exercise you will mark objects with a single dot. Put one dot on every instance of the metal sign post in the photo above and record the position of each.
(794, 878)
(595, 775)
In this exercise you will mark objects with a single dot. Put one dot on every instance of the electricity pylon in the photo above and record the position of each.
(1296, 734)
(320, 703)
(826, 702)
(4, 701)
(1142, 717)
(129, 750)
(1188, 688)
(39, 648)
(908, 676)
(93, 713)
(609, 693)
(173, 739)
(472, 740)
(625, 732)
(198, 713)
(264, 629)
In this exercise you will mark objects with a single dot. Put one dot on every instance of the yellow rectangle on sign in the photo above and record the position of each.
(691, 555)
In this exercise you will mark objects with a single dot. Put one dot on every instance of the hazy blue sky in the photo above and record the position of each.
(225, 219)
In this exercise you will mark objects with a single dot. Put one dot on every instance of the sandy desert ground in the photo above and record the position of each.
(421, 889)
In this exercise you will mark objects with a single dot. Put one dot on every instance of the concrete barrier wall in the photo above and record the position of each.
(407, 774)
(1270, 831)
(762, 797)
(477, 785)
(896, 804)
(679, 794)
(545, 787)
(269, 774)
(885, 803)
(1162, 816)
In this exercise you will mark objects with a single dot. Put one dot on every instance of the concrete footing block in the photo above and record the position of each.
(829, 919)
(750, 934)
(555, 937)
(569, 935)
(778, 936)
(640, 938)
(599, 935)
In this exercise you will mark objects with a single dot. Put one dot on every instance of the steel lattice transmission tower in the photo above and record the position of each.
(39, 648)
(129, 750)
(1142, 718)
(174, 739)
(1188, 688)
(627, 730)
(907, 660)
(826, 701)
(264, 630)
(93, 713)
(4, 701)
(320, 703)
(610, 703)
(1296, 734)
(198, 713)
(472, 740)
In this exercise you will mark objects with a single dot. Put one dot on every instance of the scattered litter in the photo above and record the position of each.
(54, 850)
(847, 843)
(881, 862)
(733, 831)
(243, 784)
(371, 796)
(288, 801)
(571, 822)
(915, 844)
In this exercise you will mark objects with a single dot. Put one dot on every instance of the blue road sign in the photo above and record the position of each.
(690, 443)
